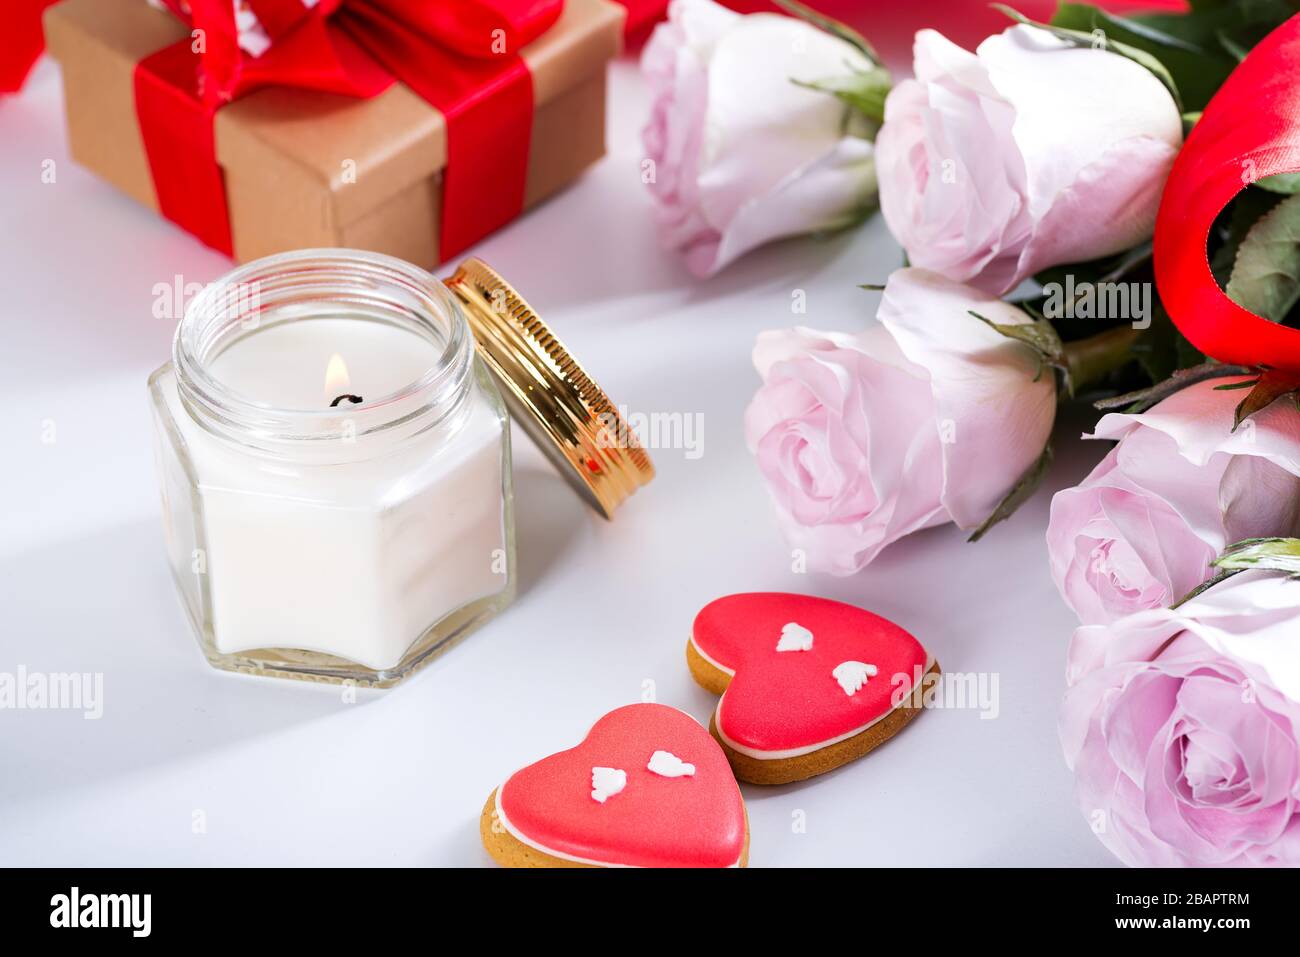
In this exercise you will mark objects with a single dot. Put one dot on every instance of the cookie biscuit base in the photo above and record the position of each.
(786, 770)
(508, 851)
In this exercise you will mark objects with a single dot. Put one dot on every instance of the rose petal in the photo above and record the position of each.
(985, 396)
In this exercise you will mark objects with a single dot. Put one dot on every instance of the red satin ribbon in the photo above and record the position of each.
(486, 99)
(643, 14)
(488, 108)
(1250, 129)
(180, 144)
(21, 41)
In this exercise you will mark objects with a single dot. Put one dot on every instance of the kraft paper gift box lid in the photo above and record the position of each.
(303, 168)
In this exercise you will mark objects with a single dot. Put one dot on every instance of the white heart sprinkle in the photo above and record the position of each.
(668, 765)
(795, 637)
(606, 782)
(852, 675)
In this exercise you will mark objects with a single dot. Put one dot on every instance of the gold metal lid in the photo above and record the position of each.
(564, 411)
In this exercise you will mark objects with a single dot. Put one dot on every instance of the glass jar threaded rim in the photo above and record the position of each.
(313, 283)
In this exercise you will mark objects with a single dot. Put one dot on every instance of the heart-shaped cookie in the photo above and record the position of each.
(647, 787)
(807, 684)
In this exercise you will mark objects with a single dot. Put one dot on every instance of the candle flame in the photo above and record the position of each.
(337, 380)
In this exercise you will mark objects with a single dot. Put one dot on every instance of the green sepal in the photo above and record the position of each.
(1019, 494)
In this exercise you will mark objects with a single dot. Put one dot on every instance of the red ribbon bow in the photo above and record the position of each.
(1251, 129)
(309, 46)
(461, 56)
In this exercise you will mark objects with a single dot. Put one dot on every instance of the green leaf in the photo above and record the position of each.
(1226, 28)
(1266, 13)
(1278, 554)
(1237, 386)
(1019, 494)
(1274, 554)
(832, 26)
(1231, 228)
(1285, 183)
(862, 90)
(1266, 273)
(1095, 38)
(1248, 12)
(1070, 14)
(1233, 48)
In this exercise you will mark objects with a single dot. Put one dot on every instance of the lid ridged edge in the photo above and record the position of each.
(572, 411)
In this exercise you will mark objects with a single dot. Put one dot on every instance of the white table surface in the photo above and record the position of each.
(279, 772)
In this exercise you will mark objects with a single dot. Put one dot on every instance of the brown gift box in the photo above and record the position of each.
(285, 153)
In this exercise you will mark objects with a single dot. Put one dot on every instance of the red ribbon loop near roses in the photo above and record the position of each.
(460, 57)
(1251, 129)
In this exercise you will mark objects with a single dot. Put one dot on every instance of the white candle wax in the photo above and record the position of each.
(286, 365)
(356, 557)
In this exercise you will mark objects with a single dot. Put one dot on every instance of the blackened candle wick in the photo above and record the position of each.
(354, 399)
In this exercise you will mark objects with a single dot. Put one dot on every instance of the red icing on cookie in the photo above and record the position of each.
(690, 820)
(784, 700)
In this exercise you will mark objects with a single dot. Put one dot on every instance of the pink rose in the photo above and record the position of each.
(930, 416)
(1141, 530)
(1028, 153)
(1182, 726)
(741, 154)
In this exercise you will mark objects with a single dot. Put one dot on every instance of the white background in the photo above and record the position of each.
(286, 772)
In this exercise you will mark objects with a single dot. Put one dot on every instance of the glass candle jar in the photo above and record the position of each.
(334, 459)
